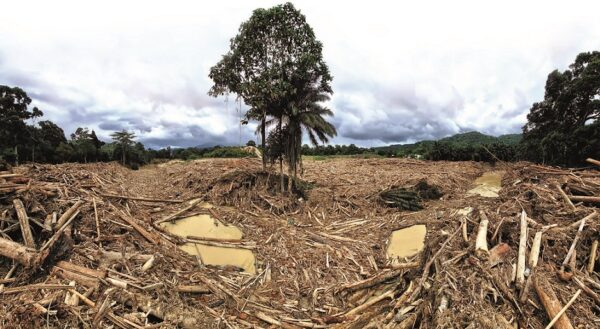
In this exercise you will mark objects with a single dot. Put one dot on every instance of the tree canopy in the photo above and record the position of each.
(564, 128)
(272, 61)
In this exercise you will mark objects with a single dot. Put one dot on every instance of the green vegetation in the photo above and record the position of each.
(275, 65)
(564, 128)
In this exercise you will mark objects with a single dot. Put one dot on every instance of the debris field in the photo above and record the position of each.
(99, 246)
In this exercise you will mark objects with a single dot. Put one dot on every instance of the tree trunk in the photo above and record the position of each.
(281, 159)
(290, 180)
(16, 155)
(281, 174)
(263, 141)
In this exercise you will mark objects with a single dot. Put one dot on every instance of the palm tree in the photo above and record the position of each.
(306, 115)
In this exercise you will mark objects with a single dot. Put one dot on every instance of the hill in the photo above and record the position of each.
(472, 138)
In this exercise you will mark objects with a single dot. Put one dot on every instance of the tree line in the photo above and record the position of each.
(25, 139)
(276, 67)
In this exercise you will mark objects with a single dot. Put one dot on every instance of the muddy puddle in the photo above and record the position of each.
(204, 226)
(406, 242)
(488, 185)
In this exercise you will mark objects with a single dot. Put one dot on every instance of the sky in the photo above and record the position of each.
(402, 71)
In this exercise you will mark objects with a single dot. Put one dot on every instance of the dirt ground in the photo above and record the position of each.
(320, 253)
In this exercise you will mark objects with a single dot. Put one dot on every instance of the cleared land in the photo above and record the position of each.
(320, 255)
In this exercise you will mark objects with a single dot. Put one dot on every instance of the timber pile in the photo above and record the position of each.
(82, 248)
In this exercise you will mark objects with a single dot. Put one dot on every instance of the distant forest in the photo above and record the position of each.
(562, 129)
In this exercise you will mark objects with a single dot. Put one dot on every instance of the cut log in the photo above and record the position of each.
(24, 223)
(534, 255)
(68, 214)
(557, 316)
(83, 280)
(142, 231)
(550, 302)
(481, 246)
(25, 256)
(82, 270)
(192, 204)
(592, 161)
(565, 197)
(58, 233)
(499, 253)
(572, 250)
(140, 198)
(148, 264)
(584, 198)
(592, 260)
(520, 278)
(198, 289)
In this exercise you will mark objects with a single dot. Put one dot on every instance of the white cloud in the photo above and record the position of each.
(402, 71)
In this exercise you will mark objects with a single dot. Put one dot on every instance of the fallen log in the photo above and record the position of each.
(82, 270)
(142, 231)
(592, 161)
(592, 260)
(198, 289)
(520, 278)
(370, 282)
(179, 212)
(499, 253)
(25, 256)
(481, 246)
(24, 223)
(562, 273)
(67, 215)
(557, 316)
(140, 198)
(551, 303)
(83, 280)
(565, 197)
(584, 198)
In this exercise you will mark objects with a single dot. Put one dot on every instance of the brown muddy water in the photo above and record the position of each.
(204, 226)
(488, 185)
(406, 242)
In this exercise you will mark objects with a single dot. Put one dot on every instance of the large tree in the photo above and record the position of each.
(124, 140)
(273, 55)
(84, 144)
(568, 116)
(14, 111)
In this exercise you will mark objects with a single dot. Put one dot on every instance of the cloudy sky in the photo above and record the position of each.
(403, 70)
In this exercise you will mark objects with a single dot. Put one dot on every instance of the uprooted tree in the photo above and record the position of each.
(275, 65)
(564, 128)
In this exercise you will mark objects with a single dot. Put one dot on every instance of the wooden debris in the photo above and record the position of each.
(551, 303)
(520, 278)
(481, 246)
